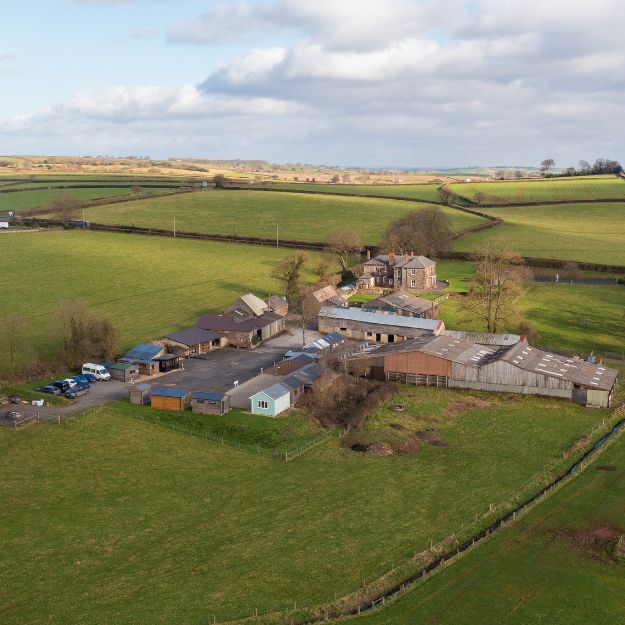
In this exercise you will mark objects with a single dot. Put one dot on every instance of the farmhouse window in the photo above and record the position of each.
(412, 272)
(199, 401)
(413, 283)
(263, 404)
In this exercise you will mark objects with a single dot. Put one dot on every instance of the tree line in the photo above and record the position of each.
(584, 168)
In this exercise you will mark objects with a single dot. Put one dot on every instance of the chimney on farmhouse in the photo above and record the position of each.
(368, 254)
(391, 258)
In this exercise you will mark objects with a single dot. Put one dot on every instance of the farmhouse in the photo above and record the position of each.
(194, 341)
(271, 401)
(210, 403)
(374, 326)
(405, 271)
(455, 363)
(404, 304)
(170, 399)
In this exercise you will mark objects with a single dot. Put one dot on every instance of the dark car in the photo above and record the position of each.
(62, 385)
(81, 379)
(52, 390)
(89, 377)
(77, 391)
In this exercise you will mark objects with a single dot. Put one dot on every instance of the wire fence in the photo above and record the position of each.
(376, 593)
(286, 454)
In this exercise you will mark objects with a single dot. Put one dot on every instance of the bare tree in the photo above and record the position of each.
(547, 165)
(65, 208)
(14, 343)
(103, 339)
(323, 270)
(342, 243)
(425, 231)
(220, 181)
(585, 167)
(335, 179)
(499, 281)
(288, 271)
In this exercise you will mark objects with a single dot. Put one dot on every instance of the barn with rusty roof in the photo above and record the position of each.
(452, 362)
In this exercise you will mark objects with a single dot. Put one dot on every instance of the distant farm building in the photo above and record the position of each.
(375, 327)
(278, 305)
(405, 271)
(124, 372)
(519, 368)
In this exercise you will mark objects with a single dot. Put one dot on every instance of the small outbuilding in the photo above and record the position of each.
(124, 372)
(170, 399)
(139, 394)
(168, 362)
(210, 403)
(271, 401)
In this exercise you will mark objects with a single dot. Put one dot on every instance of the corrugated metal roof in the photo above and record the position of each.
(400, 301)
(144, 351)
(485, 338)
(208, 396)
(574, 370)
(225, 323)
(357, 314)
(119, 366)
(170, 392)
(276, 391)
(255, 304)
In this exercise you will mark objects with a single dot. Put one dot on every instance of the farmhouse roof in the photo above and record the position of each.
(193, 336)
(401, 301)
(374, 318)
(407, 260)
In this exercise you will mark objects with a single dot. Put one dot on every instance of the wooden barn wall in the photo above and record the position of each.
(167, 403)
(505, 374)
(510, 388)
(418, 363)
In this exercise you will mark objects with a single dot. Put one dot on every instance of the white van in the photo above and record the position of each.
(98, 370)
(4, 225)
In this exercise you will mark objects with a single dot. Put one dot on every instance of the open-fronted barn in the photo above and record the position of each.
(455, 363)
(375, 327)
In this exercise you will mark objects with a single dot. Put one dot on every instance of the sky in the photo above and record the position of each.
(413, 83)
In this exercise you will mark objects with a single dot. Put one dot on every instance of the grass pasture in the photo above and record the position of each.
(146, 286)
(123, 522)
(556, 565)
(42, 197)
(256, 213)
(568, 317)
(423, 192)
(576, 232)
(549, 189)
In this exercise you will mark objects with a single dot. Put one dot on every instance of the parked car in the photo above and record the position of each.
(62, 385)
(99, 371)
(77, 391)
(81, 379)
(89, 377)
(72, 383)
(52, 390)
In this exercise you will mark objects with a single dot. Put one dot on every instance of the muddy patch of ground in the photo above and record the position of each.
(598, 544)
(459, 406)
(430, 436)
(606, 467)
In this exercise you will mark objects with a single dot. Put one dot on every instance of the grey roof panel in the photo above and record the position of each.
(194, 336)
(357, 314)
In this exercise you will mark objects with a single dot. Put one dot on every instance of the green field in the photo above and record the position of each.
(581, 188)
(146, 286)
(577, 232)
(568, 318)
(426, 192)
(40, 198)
(121, 522)
(554, 566)
(256, 213)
